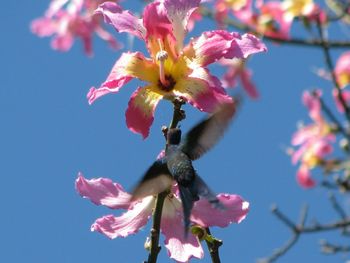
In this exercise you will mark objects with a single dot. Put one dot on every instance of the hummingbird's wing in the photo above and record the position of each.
(156, 180)
(206, 134)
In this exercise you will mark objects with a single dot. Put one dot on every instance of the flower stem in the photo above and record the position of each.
(178, 115)
(155, 248)
(213, 248)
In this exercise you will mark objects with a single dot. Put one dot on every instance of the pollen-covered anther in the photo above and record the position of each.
(162, 55)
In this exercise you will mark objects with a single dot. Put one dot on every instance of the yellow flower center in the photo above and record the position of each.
(236, 4)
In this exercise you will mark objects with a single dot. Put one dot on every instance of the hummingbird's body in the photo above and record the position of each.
(177, 163)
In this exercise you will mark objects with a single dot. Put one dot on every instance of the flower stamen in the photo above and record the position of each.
(161, 56)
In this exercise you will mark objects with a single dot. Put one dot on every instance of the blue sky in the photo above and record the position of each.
(49, 133)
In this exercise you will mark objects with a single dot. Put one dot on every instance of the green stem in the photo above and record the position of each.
(213, 248)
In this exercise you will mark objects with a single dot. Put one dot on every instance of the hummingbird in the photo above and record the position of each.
(177, 166)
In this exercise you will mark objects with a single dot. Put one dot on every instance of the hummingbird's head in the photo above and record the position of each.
(174, 136)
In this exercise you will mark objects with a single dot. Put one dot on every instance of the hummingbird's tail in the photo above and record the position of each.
(187, 198)
(192, 193)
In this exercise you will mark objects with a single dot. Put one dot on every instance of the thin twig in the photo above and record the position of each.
(291, 41)
(299, 229)
(328, 248)
(295, 233)
(332, 118)
(337, 206)
(329, 63)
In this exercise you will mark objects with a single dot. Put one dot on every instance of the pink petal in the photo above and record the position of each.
(214, 45)
(346, 96)
(245, 13)
(304, 134)
(122, 21)
(343, 63)
(304, 177)
(103, 191)
(105, 35)
(205, 215)
(128, 223)
(199, 94)
(179, 248)
(163, 27)
(128, 66)
(247, 83)
(140, 112)
(322, 148)
(275, 10)
(63, 42)
(297, 155)
(179, 12)
(43, 27)
(54, 7)
(313, 104)
(229, 78)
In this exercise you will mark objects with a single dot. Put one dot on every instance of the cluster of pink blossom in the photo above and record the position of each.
(316, 140)
(68, 19)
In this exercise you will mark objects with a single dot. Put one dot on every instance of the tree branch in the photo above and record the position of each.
(291, 41)
(299, 229)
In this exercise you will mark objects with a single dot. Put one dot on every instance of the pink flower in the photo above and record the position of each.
(342, 69)
(68, 19)
(314, 141)
(172, 70)
(236, 70)
(104, 192)
(272, 20)
(241, 9)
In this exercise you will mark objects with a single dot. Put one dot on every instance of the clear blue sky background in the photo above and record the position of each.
(49, 133)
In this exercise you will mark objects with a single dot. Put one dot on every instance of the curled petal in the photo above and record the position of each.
(179, 248)
(205, 215)
(128, 223)
(128, 66)
(122, 21)
(214, 45)
(103, 191)
(198, 93)
(139, 115)
(248, 85)
(304, 177)
(179, 12)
